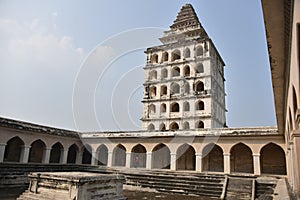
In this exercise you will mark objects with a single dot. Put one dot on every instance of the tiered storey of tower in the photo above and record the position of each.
(184, 79)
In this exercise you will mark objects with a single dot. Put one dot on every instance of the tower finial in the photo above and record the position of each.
(186, 18)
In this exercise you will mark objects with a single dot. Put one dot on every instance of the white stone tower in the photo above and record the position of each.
(184, 79)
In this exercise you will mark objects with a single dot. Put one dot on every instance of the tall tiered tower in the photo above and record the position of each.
(184, 79)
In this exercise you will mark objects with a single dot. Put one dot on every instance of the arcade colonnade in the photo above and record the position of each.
(225, 154)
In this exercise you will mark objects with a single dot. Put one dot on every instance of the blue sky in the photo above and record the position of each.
(45, 45)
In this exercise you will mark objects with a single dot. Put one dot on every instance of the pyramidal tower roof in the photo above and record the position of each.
(185, 26)
(186, 18)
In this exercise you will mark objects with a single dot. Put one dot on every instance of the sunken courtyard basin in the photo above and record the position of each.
(74, 186)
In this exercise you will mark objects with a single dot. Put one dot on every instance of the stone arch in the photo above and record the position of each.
(72, 154)
(185, 158)
(37, 151)
(186, 88)
(164, 73)
(163, 108)
(199, 86)
(151, 127)
(175, 72)
(162, 127)
(187, 70)
(57, 151)
(138, 156)
(272, 159)
(175, 88)
(174, 107)
(165, 56)
(187, 52)
(186, 106)
(241, 159)
(199, 105)
(153, 75)
(199, 124)
(199, 50)
(186, 125)
(174, 126)
(87, 154)
(152, 109)
(213, 159)
(152, 91)
(119, 155)
(154, 58)
(163, 90)
(199, 68)
(102, 153)
(176, 55)
(161, 157)
(13, 149)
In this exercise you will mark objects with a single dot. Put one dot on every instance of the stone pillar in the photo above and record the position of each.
(79, 157)
(149, 160)
(64, 156)
(109, 159)
(199, 162)
(173, 161)
(296, 161)
(46, 156)
(256, 164)
(94, 158)
(2, 150)
(25, 154)
(128, 159)
(226, 163)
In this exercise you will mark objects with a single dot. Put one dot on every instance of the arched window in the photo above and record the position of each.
(199, 68)
(72, 154)
(151, 127)
(153, 75)
(163, 90)
(271, 164)
(138, 156)
(175, 55)
(164, 73)
(199, 105)
(213, 158)
(186, 70)
(199, 51)
(102, 155)
(241, 159)
(199, 86)
(162, 127)
(175, 88)
(199, 124)
(186, 158)
(163, 108)
(152, 91)
(187, 53)
(152, 109)
(175, 72)
(154, 58)
(174, 126)
(186, 126)
(56, 153)
(119, 155)
(165, 57)
(174, 107)
(186, 106)
(161, 157)
(37, 151)
(87, 154)
(186, 88)
(13, 150)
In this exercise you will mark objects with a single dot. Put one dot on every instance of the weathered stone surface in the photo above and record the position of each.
(74, 185)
